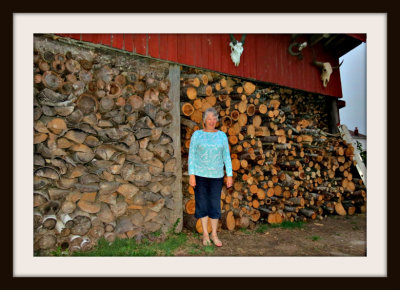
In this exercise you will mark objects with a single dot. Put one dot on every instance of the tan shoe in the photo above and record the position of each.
(206, 242)
(216, 242)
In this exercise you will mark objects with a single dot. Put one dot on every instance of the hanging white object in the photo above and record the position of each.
(236, 52)
(303, 45)
(362, 170)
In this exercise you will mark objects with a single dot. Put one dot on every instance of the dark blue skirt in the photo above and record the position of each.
(207, 195)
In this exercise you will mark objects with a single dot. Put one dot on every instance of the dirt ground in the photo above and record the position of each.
(333, 236)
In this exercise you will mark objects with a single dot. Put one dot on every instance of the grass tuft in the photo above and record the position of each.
(315, 238)
(290, 225)
(209, 249)
(245, 231)
(262, 228)
(59, 252)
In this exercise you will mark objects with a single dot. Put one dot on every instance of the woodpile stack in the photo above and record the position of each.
(286, 166)
(103, 159)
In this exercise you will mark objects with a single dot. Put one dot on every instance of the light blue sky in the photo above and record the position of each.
(353, 77)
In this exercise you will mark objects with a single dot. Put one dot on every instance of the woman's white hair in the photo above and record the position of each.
(210, 111)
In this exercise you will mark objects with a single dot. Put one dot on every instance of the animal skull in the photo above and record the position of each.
(326, 71)
(236, 52)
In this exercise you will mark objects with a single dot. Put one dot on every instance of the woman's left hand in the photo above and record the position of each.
(229, 181)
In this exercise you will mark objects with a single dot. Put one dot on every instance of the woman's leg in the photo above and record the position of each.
(214, 236)
(214, 226)
(204, 225)
(215, 208)
(201, 201)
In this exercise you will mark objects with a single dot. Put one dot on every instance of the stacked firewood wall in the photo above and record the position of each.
(286, 165)
(103, 159)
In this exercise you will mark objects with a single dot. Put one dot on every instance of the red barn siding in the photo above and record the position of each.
(128, 42)
(154, 45)
(118, 41)
(163, 52)
(105, 39)
(265, 57)
(140, 44)
(172, 46)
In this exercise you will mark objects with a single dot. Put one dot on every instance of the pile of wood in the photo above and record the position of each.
(286, 165)
(103, 159)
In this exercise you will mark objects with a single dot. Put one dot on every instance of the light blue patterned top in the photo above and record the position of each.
(208, 152)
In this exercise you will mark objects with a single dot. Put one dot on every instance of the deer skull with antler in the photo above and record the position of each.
(236, 49)
(326, 70)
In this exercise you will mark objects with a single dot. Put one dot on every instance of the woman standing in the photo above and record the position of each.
(208, 153)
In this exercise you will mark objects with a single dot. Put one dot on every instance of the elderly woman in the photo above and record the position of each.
(208, 153)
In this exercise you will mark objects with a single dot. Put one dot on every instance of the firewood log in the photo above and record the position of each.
(228, 220)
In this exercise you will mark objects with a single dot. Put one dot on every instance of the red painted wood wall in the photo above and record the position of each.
(265, 57)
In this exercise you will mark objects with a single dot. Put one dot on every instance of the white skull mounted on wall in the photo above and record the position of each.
(236, 48)
(236, 52)
(326, 71)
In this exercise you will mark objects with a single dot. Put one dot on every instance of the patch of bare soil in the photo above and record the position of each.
(333, 236)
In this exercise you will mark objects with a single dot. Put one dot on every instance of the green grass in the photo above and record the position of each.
(262, 228)
(129, 247)
(315, 238)
(209, 249)
(291, 225)
(245, 231)
(59, 252)
(195, 250)
(157, 233)
(196, 234)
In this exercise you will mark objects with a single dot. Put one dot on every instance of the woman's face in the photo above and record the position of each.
(211, 121)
